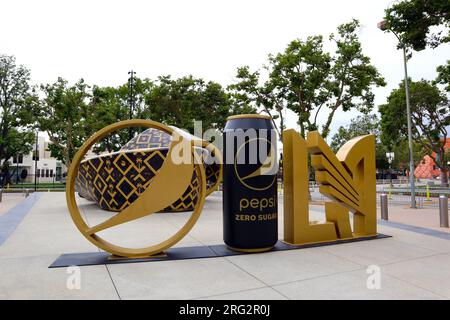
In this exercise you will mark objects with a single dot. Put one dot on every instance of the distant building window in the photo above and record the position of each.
(38, 172)
(42, 173)
(47, 173)
(51, 173)
(34, 155)
(18, 158)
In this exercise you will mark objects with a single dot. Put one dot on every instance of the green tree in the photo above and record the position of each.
(112, 104)
(179, 101)
(249, 92)
(430, 114)
(414, 21)
(401, 151)
(443, 77)
(360, 126)
(107, 107)
(16, 99)
(313, 83)
(64, 114)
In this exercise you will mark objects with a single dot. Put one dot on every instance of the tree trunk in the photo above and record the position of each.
(281, 125)
(69, 144)
(444, 177)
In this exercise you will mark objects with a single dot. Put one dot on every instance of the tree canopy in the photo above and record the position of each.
(312, 82)
(112, 104)
(419, 23)
(359, 126)
(64, 115)
(362, 125)
(69, 114)
(16, 100)
(180, 101)
(430, 114)
(443, 77)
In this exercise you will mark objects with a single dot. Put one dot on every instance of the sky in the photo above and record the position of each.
(101, 40)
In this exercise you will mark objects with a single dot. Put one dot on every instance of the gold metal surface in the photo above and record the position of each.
(257, 250)
(170, 182)
(358, 155)
(217, 173)
(249, 116)
(347, 178)
(114, 180)
(297, 227)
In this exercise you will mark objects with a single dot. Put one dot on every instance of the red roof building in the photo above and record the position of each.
(427, 168)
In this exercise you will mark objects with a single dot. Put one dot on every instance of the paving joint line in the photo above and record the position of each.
(316, 277)
(230, 292)
(417, 286)
(412, 259)
(253, 276)
(83, 210)
(112, 281)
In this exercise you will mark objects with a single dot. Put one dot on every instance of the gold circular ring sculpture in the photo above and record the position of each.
(171, 181)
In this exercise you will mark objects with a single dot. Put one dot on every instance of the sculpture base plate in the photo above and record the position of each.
(184, 253)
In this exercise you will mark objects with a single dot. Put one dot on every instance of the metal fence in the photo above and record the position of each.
(432, 191)
(31, 181)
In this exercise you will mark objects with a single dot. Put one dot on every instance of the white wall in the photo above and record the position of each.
(45, 163)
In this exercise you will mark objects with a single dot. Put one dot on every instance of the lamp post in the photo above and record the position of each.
(131, 97)
(35, 161)
(17, 169)
(383, 25)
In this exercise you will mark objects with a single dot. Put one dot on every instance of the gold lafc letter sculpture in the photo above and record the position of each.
(347, 178)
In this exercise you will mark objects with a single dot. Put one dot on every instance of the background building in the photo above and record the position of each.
(49, 169)
(427, 168)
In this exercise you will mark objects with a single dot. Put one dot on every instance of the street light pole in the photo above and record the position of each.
(410, 142)
(35, 161)
(17, 169)
(131, 98)
(383, 25)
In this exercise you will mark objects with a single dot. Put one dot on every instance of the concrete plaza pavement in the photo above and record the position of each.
(413, 264)
(10, 200)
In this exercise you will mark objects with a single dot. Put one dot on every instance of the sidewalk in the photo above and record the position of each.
(413, 265)
(10, 200)
(426, 217)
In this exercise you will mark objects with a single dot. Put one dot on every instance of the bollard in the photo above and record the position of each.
(384, 206)
(443, 211)
(27, 193)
